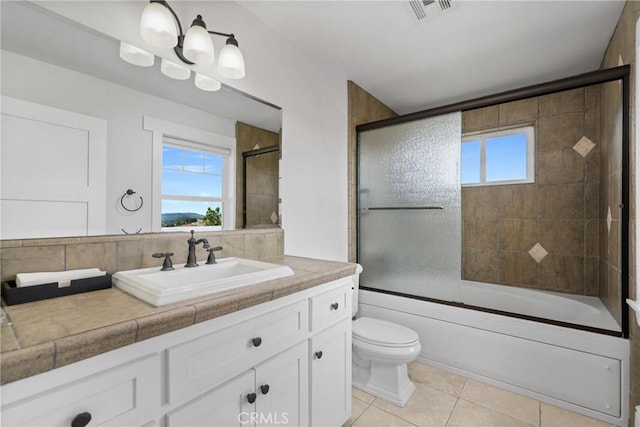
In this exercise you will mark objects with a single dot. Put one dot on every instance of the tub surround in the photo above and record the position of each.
(44, 335)
(559, 212)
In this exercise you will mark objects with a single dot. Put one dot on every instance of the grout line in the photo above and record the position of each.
(452, 410)
(392, 414)
(539, 414)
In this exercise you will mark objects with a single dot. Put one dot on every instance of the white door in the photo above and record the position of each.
(228, 405)
(282, 388)
(331, 375)
(53, 170)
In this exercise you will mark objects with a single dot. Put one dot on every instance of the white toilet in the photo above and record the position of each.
(381, 351)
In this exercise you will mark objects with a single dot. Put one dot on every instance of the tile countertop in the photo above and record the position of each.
(40, 336)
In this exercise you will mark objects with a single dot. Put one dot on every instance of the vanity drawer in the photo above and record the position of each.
(124, 395)
(199, 365)
(331, 306)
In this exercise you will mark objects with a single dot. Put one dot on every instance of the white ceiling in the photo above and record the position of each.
(473, 49)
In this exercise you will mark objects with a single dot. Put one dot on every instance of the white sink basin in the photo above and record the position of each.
(166, 287)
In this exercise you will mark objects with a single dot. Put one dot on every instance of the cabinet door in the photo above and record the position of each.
(282, 386)
(331, 375)
(128, 395)
(225, 406)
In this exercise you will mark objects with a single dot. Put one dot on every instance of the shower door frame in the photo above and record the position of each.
(621, 73)
(245, 156)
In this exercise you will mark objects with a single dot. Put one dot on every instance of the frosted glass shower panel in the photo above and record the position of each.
(409, 207)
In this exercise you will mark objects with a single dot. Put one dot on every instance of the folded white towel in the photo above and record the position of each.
(63, 278)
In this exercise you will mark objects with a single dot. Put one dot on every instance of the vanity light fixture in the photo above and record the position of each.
(160, 27)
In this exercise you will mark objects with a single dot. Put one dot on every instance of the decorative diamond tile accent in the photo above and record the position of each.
(538, 252)
(609, 219)
(256, 147)
(584, 146)
(274, 217)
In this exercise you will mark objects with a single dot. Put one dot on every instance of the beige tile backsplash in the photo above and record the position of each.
(115, 253)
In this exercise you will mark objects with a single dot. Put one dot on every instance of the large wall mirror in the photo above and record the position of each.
(80, 149)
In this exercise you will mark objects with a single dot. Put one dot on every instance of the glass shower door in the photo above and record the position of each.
(409, 227)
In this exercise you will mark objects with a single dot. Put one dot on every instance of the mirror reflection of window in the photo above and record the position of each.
(192, 187)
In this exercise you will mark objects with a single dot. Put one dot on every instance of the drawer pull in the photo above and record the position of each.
(81, 420)
(251, 397)
(256, 341)
(264, 389)
(334, 306)
(318, 354)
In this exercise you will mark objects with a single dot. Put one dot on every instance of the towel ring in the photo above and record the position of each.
(130, 192)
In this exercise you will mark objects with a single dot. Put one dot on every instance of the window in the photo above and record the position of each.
(498, 157)
(193, 172)
(192, 185)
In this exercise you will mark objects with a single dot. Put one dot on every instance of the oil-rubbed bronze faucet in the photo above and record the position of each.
(191, 258)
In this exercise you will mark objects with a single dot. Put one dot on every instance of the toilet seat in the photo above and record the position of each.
(381, 333)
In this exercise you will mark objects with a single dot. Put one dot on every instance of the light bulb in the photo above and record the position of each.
(231, 61)
(173, 70)
(136, 56)
(158, 27)
(198, 46)
(207, 83)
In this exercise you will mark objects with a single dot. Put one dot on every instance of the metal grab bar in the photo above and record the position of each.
(397, 208)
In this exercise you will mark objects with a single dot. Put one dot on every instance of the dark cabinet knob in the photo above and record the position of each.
(256, 341)
(334, 306)
(264, 389)
(318, 354)
(251, 397)
(81, 420)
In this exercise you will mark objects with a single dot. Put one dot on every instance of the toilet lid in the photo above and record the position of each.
(383, 333)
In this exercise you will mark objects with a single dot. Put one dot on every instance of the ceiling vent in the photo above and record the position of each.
(420, 7)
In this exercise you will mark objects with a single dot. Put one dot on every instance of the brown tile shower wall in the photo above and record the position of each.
(262, 187)
(363, 108)
(611, 197)
(115, 253)
(559, 212)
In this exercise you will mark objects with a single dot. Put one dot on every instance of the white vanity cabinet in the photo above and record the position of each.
(283, 362)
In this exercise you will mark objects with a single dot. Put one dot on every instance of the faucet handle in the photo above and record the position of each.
(167, 265)
(211, 259)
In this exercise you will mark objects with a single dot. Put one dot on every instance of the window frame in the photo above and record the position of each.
(528, 129)
(198, 139)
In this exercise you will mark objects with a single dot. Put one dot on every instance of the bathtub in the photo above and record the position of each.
(576, 309)
(579, 370)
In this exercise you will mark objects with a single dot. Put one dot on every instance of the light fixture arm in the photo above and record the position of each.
(231, 38)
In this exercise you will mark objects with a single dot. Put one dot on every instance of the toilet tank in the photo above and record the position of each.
(355, 286)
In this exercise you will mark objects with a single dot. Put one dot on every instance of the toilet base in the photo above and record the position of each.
(386, 381)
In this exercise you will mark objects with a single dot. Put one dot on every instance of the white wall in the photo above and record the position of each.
(314, 101)
(128, 144)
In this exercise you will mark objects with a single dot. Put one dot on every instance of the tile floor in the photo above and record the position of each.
(445, 399)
